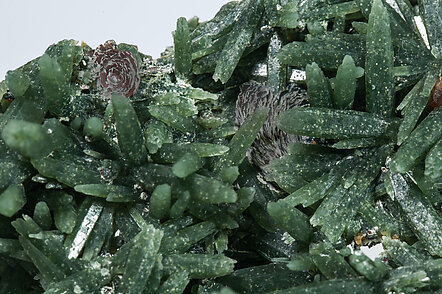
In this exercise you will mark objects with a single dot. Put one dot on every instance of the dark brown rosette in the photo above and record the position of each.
(116, 70)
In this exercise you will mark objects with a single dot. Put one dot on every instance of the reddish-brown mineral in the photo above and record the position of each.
(436, 94)
(116, 70)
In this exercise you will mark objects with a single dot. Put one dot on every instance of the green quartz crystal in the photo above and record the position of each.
(414, 109)
(317, 86)
(175, 283)
(130, 137)
(379, 62)
(332, 124)
(345, 83)
(155, 135)
(141, 260)
(17, 83)
(54, 82)
(210, 190)
(291, 220)
(42, 215)
(186, 165)
(420, 141)
(12, 200)
(238, 40)
(421, 215)
(243, 138)
(433, 161)
(160, 202)
(200, 265)
(177, 209)
(27, 138)
(183, 54)
(93, 127)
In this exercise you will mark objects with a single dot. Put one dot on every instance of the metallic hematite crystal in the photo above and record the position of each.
(271, 142)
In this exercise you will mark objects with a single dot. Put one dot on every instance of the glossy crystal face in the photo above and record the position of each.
(436, 94)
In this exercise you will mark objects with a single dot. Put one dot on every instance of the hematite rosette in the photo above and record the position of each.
(116, 70)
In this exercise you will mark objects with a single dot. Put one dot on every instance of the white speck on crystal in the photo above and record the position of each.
(349, 246)
(260, 70)
(95, 265)
(77, 289)
(105, 272)
(374, 251)
(298, 76)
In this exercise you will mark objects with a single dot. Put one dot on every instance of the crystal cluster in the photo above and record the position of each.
(124, 174)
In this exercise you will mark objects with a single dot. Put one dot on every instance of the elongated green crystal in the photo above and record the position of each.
(402, 253)
(332, 124)
(170, 117)
(327, 51)
(130, 137)
(310, 193)
(177, 209)
(155, 135)
(99, 235)
(175, 284)
(49, 271)
(210, 190)
(160, 201)
(238, 40)
(186, 165)
(27, 138)
(42, 215)
(182, 240)
(413, 110)
(330, 263)
(199, 266)
(433, 161)
(69, 170)
(244, 138)
(317, 87)
(292, 220)
(345, 83)
(373, 270)
(183, 54)
(422, 217)
(141, 260)
(149, 192)
(420, 141)
(54, 82)
(330, 11)
(431, 11)
(12, 200)
(104, 190)
(17, 82)
(379, 79)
